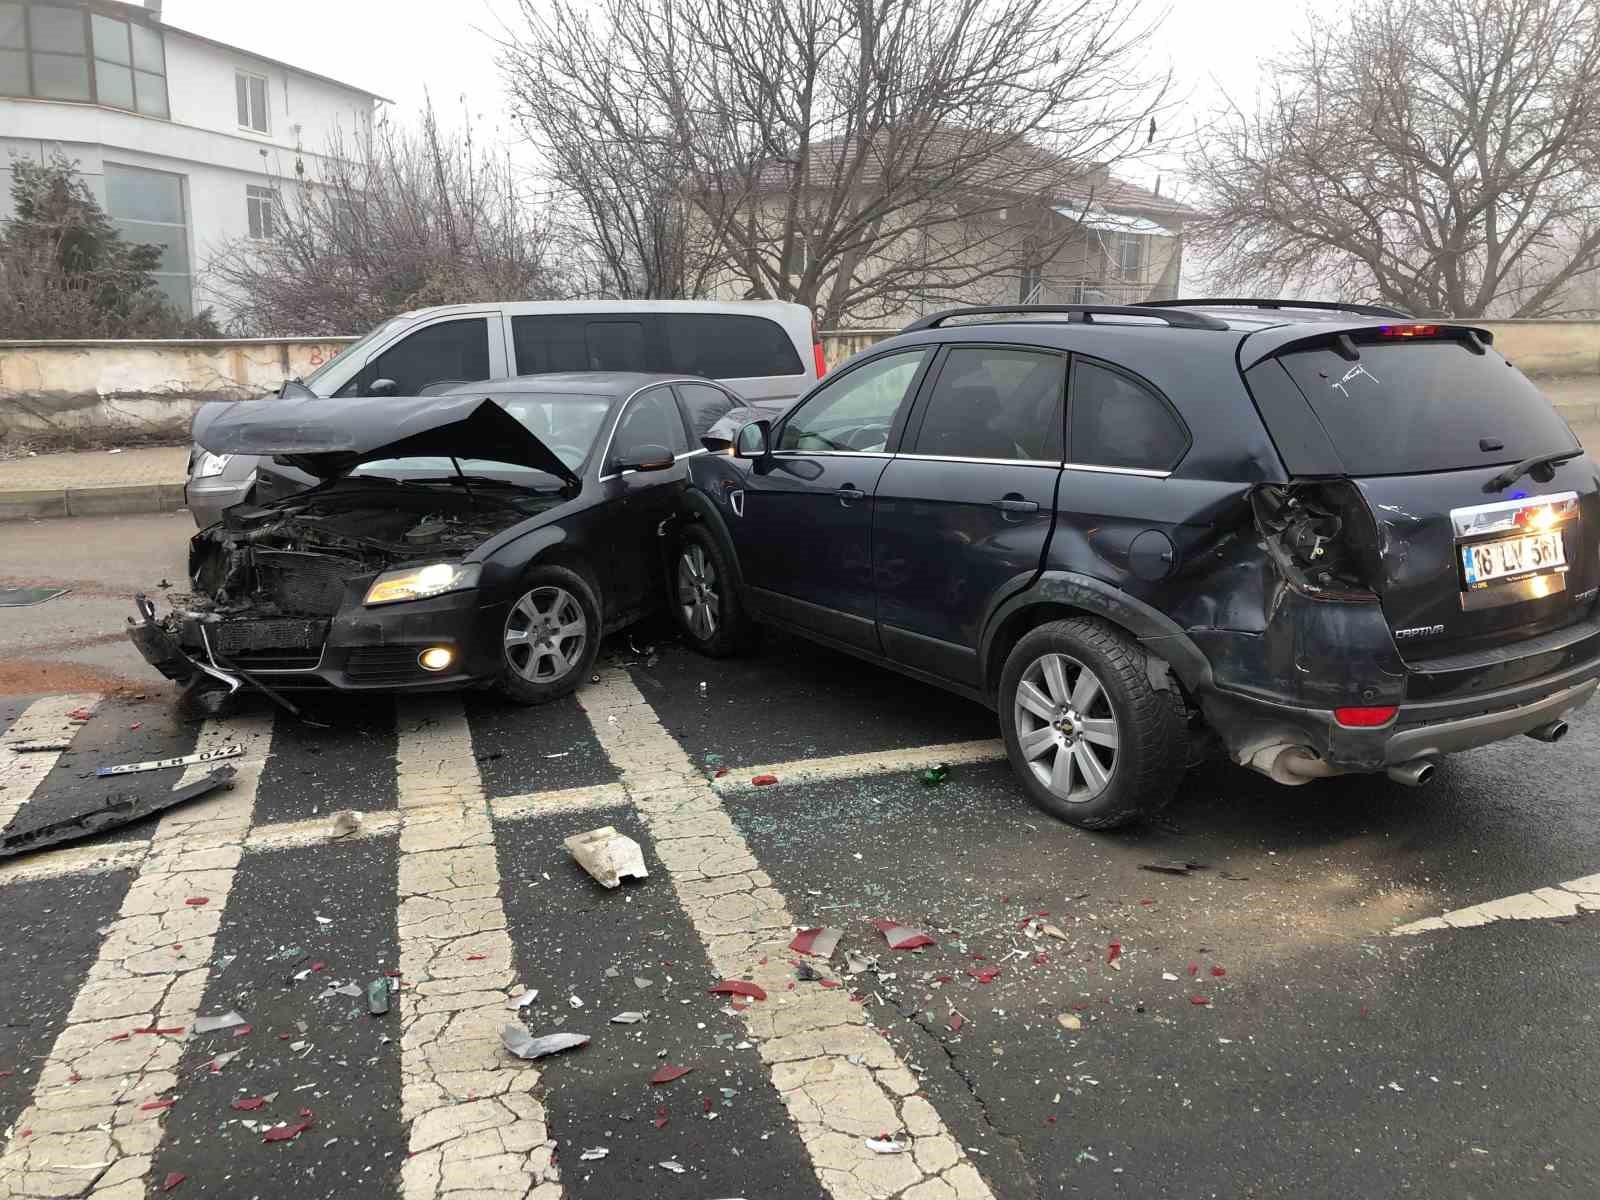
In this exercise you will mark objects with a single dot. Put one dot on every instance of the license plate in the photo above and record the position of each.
(1490, 562)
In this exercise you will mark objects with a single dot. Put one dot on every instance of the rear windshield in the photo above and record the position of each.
(1412, 407)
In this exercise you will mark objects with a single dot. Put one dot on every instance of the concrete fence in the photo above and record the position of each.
(155, 386)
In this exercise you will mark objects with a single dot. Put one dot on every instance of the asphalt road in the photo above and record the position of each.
(1329, 1057)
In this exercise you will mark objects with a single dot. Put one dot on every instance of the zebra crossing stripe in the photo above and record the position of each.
(44, 722)
(476, 1127)
(841, 1081)
(855, 766)
(86, 1132)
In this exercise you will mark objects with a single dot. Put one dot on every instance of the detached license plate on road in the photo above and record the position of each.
(1490, 562)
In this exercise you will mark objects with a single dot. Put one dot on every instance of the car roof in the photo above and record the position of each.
(573, 383)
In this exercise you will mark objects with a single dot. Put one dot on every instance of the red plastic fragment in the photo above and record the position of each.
(667, 1073)
(244, 1031)
(476, 957)
(819, 942)
(1050, 1120)
(1113, 952)
(1147, 902)
(956, 1022)
(661, 1122)
(284, 1133)
(318, 965)
(738, 987)
(115, 1037)
(902, 937)
(7, 1074)
(1194, 968)
(944, 978)
(829, 983)
(198, 901)
(175, 1029)
(1080, 1006)
(156, 1105)
(764, 780)
(173, 1179)
(705, 1104)
(249, 1104)
(858, 998)
(1199, 1000)
(721, 771)
(26, 1133)
(1364, 1010)
(661, 1117)
(736, 1006)
(284, 1037)
(392, 974)
(1218, 972)
(78, 714)
(984, 976)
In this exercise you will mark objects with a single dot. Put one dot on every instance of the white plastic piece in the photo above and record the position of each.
(608, 855)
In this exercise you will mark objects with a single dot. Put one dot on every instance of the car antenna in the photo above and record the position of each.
(454, 462)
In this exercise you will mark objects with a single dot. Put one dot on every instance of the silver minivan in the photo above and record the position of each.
(765, 350)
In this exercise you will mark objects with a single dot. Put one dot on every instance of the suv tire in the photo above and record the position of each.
(1092, 740)
(558, 604)
(704, 597)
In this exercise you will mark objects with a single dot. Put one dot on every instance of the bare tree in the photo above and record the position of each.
(861, 157)
(1438, 155)
(394, 221)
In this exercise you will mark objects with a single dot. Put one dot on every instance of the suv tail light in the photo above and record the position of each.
(816, 350)
(1365, 718)
(1321, 537)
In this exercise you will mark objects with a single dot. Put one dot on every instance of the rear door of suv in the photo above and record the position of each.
(1424, 421)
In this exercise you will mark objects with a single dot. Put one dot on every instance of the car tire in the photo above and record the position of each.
(704, 598)
(553, 609)
(1097, 754)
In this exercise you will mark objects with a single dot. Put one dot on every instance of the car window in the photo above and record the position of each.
(577, 343)
(854, 411)
(456, 350)
(1115, 421)
(704, 405)
(651, 420)
(727, 346)
(991, 403)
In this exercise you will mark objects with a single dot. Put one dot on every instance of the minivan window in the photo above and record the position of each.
(854, 411)
(1415, 406)
(449, 350)
(1115, 421)
(993, 403)
(727, 346)
(579, 343)
(704, 405)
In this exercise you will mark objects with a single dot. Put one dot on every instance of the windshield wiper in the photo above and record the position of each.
(1516, 471)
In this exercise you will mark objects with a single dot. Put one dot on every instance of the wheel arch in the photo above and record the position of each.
(547, 547)
(697, 508)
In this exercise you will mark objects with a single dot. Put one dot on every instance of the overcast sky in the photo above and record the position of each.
(399, 48)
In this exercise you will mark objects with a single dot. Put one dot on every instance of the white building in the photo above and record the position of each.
(181, 138)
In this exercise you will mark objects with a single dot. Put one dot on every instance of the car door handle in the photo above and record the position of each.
(1016, 504)
(848, 494)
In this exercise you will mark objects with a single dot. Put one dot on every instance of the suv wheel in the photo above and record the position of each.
(551, 636)
(705, 601)
(1092, 741)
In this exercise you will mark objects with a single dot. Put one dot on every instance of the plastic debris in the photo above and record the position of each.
(79, 714)
(856, 963)
(1194, 968)
(594, 1155)
(607, 855)
(575, 1001)
(936, 775)
(174, 1178)
(738, 987)
(285, 1133)
(1069, 1021)
(902, 937)
(627, 1018)
(956, 1021)
(524, 1045)
(1169, 977)
(1218, 972)
(109, 812)
(222, 1060)
(829, 983)
(1113, 952)
(249, 1104)
(984, 974)
(820, 942)
(1199, 1001)
(1173, 868)
(211, 1024)
(677, 1168)
(353, 990)
(345, 822)
(157, 1105)
(666, 1073)
(198, 901)
(522, 1001)
(764, 780)
(158, 764)
(885, 1145)
(378, 993)
(640, 982)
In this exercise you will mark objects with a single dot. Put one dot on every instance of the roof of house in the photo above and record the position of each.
(140, 12)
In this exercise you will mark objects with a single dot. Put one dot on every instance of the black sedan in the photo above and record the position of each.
(489, 537)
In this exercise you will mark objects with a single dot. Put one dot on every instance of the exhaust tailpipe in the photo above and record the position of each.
(1414, 773)
(1553, 732)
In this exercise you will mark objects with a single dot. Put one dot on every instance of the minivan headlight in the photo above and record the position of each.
(209, 464)
(418, 583)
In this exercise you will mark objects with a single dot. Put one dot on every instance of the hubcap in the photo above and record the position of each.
(545, 634)
(1066, 727)
(697, 591)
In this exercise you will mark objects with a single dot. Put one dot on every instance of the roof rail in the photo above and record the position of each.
(1365, 310)
(1083, 312)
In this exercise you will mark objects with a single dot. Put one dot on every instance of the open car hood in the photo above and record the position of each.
(329, 437)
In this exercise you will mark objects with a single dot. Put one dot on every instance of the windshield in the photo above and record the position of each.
(567, 425)
(353, 352)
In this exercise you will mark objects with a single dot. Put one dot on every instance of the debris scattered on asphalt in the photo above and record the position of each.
(117, 809)
(1169, 977)
(666, 1073)
(984, 974)
(738, 987)
(594, 1155)
(956, 1021)
(38, 747)
(174, 1178)
(856, 963)
(284, 1133)
(640, 982)
(677, 1168)
(885, 1145)
(198, 901)
(1173, 868)
(820, 942)
(607, 855)
(1113, 952)
(1069, 1021)
(157, 764)
(1218, 972)
(345, 822)
(80, 713)
(211, 1024)
(353, 990)
(805, 973)
(936, 775)
(250, 1103)
(1199, 1001)
(764, 780)
(222, 1060)
(902, 937)
(627, 1018)
(378, 993)
(522, 1001)
(524, 1045)
(575, 1001)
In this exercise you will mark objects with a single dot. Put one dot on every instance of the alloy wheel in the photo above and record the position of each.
(697, 591)
(1066, 727)
(545, 634)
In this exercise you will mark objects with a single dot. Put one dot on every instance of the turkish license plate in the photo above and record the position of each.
(1506, 558)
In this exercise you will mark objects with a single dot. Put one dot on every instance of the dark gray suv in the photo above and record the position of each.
(1333, 539)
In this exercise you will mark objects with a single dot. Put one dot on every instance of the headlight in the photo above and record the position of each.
(208, 464)
(417, 583)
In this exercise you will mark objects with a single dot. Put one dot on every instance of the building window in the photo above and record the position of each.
(251, 91)
(147, 206)
(1030, 289)
(1130, 256)
(51, 52)
(262, 203)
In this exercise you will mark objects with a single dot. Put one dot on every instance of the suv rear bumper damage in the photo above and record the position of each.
(1295, 745)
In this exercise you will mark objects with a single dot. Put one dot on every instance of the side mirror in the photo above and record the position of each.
(383, 387)
(754, 440)
(645, 458)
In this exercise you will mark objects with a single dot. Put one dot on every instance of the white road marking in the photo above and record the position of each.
(537, 804)
(852, 766)
(150, 973)
(44, 721)
(841, 1081)
(476, 1126)
(1564, 900)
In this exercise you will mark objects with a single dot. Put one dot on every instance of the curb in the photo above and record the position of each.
(91, 501)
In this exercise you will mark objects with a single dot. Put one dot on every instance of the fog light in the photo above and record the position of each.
(436, 658)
